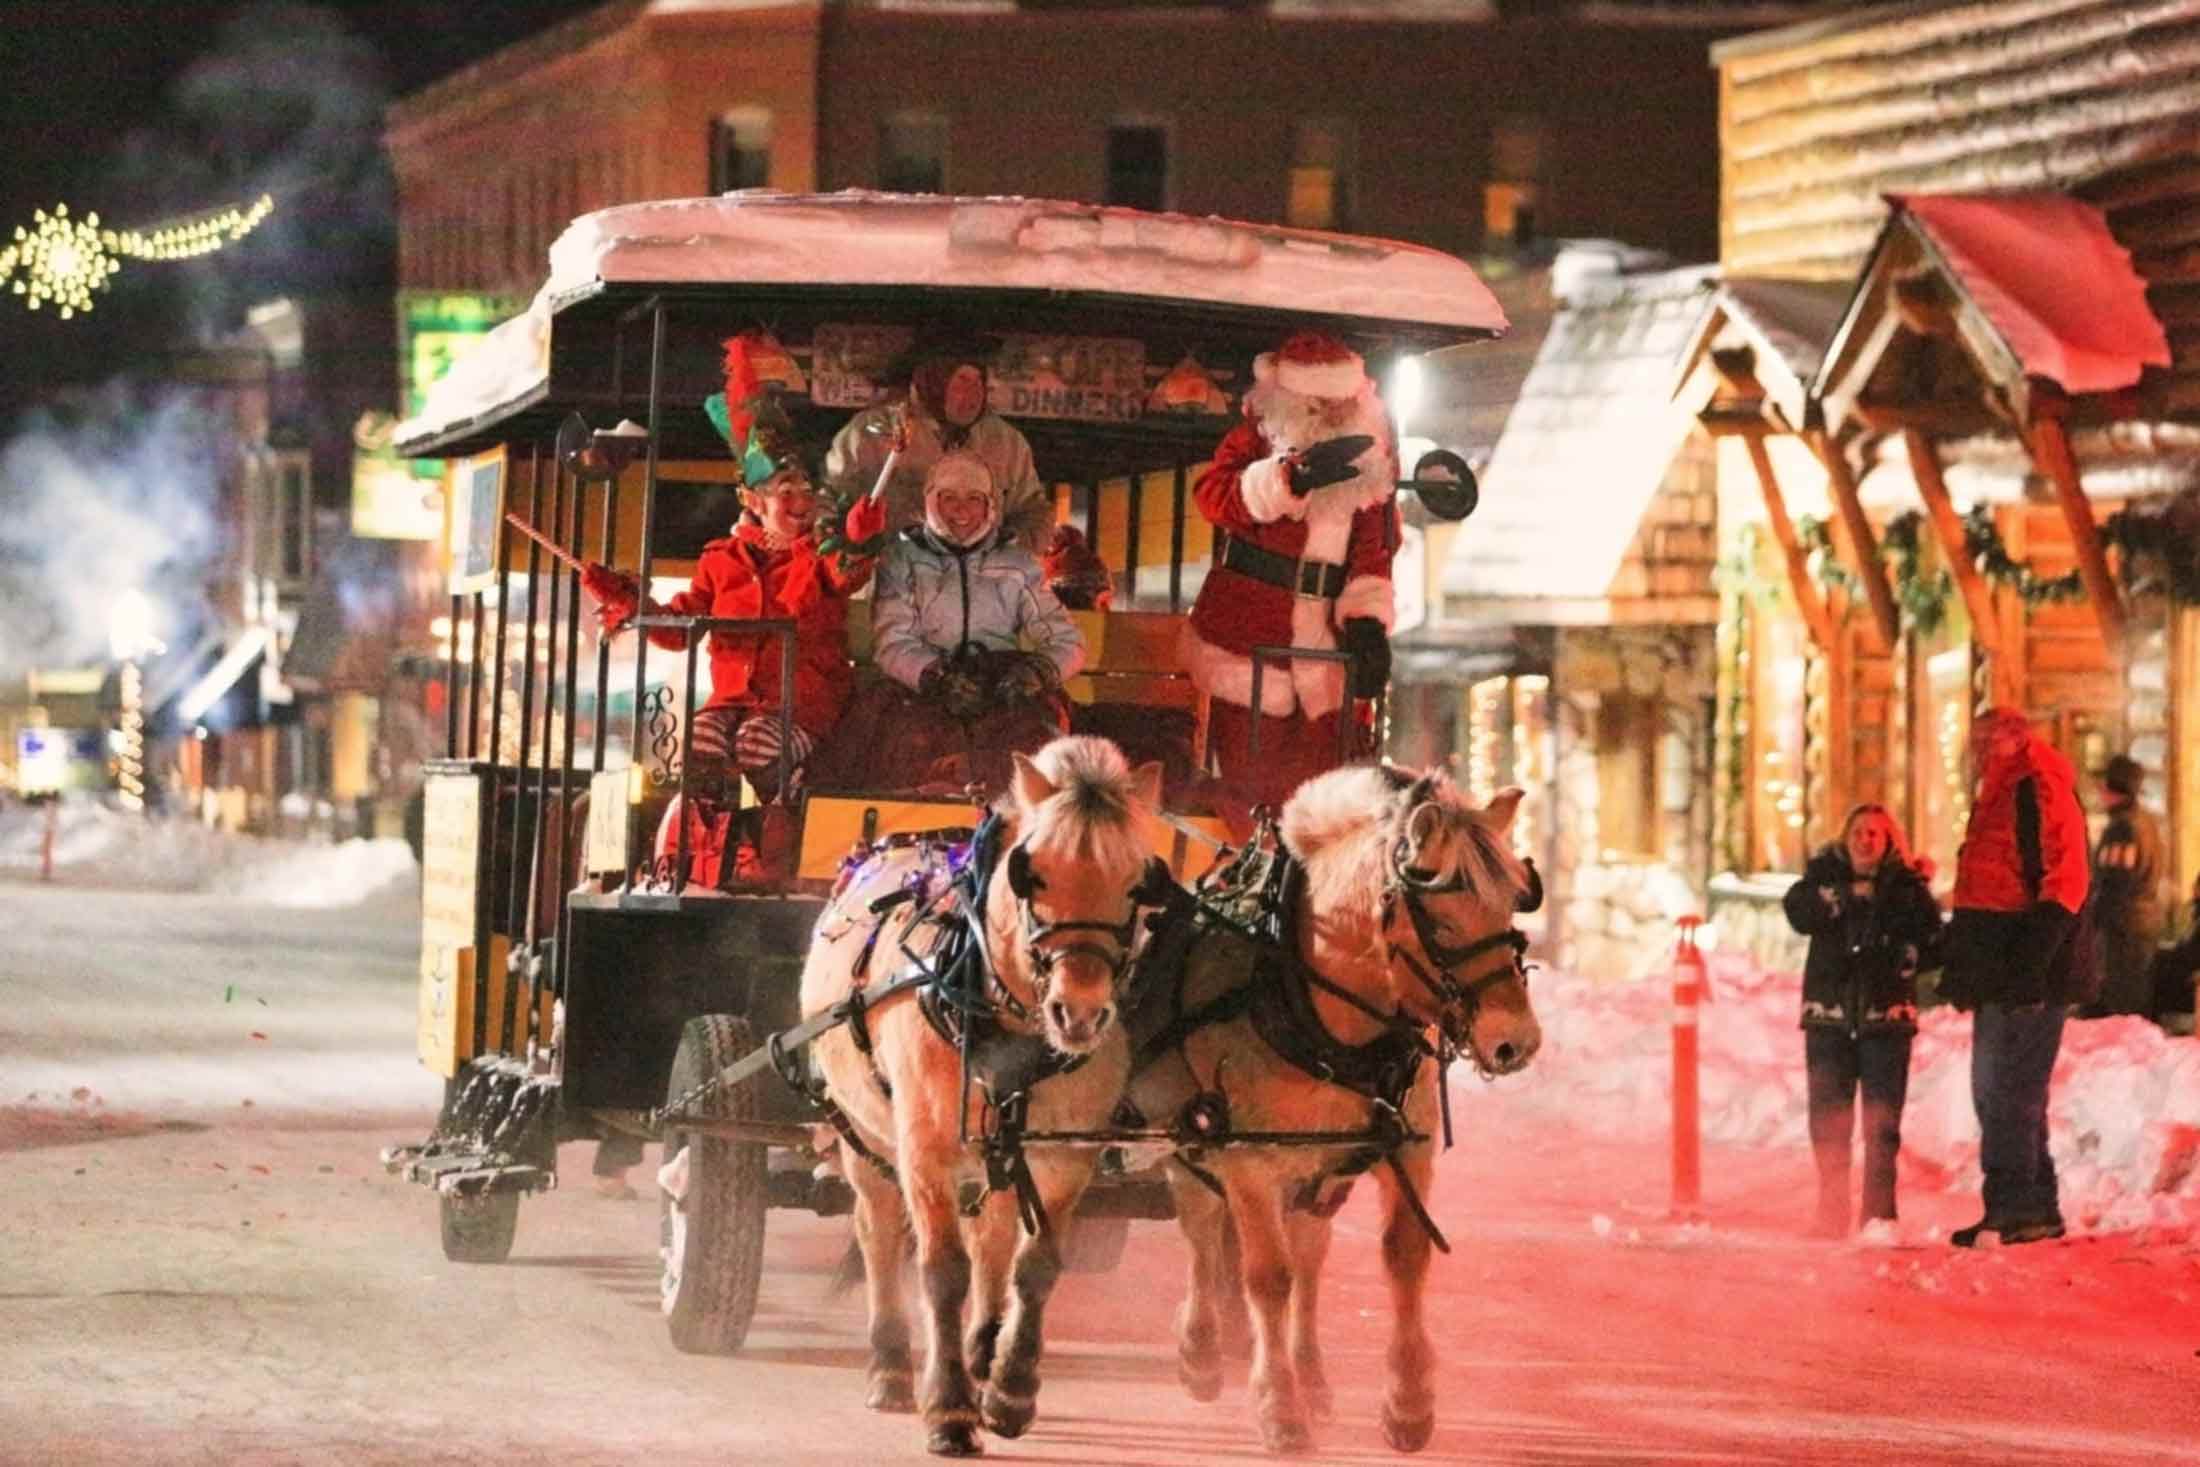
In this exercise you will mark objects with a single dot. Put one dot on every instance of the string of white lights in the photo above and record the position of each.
(65, 262)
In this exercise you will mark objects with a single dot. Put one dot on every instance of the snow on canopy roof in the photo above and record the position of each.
(2054, 283)
(862, 238)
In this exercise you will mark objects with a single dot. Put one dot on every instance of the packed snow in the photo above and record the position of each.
(2124, 1121)
(94, 845)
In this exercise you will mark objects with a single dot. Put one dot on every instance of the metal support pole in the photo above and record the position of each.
(563, 868)
(450, 683)
(648, 549)
(603, 644)
(687, 783)
(1176, 542)
(486, 920)
(519, 912)
(473, 683)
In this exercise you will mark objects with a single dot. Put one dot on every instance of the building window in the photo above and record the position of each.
(1321, 174)
(741, 150)
(1514, 190)
(1628, 740)
(1138, 166)
(912, 153)
(283, 486)
(1779, 664)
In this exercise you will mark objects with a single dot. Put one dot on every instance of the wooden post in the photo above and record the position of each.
(2050, 446)
(1807, 599)
(1940, 511)
(1863, 543)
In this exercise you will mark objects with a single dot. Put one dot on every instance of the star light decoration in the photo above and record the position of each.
(64, 262)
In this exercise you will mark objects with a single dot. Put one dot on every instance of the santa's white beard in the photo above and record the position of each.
(1292, 421)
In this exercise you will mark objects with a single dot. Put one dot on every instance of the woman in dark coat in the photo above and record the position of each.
(1872, 924)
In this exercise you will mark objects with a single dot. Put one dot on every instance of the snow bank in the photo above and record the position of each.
(2124, 1122)
(96, 846)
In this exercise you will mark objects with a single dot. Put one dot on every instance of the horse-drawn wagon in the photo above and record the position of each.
(577, 978)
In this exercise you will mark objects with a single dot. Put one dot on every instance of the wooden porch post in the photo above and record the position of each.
(2050, 445)
(1807, 599)
(1940, 511)
(1864, 544)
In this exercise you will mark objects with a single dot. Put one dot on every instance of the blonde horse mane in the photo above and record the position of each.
(1092, 815)
(1343, 826)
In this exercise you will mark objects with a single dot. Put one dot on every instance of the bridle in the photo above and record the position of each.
(1044, 953)
(1458, 995)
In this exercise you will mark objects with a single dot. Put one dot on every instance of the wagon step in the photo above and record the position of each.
(465, 1173)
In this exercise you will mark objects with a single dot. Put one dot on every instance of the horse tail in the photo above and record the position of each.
(850, 1272)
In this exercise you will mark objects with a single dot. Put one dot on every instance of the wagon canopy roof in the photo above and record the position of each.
(989, 263)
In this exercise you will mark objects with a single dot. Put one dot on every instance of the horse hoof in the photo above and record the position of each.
(955, 1439)
(892, 1394)
(1321, 1401)
(1007, 1416)
(1286, 1438)
(1407, 1436)
(1201, 1383)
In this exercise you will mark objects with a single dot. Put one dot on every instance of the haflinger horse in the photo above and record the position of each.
(1405, 955)
(1060, 911)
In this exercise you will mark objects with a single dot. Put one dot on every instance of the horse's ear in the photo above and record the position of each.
(1032, 787)
(1146, 784)
(1499, 812)
(1421, 827)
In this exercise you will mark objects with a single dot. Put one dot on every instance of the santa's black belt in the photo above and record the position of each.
(1321, 578)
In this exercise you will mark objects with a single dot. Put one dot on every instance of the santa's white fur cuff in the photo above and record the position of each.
(1266, 488)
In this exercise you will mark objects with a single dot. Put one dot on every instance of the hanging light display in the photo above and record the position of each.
(63, 261)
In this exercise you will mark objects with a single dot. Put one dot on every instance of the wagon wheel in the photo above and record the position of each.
(713, 1233)
(478, 1228)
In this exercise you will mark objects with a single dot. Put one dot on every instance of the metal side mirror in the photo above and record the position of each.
(1445, 484)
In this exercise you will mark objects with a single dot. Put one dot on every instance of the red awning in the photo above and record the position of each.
(2044, 269)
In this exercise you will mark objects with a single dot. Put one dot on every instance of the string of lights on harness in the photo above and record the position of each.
(65, 261)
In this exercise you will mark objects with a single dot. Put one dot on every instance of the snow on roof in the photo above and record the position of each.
(861, 238)
(1586, 445)
(2056, 285)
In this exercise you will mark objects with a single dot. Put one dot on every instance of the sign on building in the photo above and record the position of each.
(434, 329)
(1094, 379)
(388, 502)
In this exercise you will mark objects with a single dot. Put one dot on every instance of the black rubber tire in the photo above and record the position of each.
(713, 1263)
(1096, 1244)
(478, 1229)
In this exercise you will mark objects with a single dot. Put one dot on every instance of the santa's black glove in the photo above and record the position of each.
(1327, 462)
(1365, 639)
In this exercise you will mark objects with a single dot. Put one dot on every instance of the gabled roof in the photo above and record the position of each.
(2054, 282)
(1587, 445)
(1786, 325)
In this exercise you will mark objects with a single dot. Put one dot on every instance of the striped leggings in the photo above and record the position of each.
(732, 737)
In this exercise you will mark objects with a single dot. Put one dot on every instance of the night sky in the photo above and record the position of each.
(145, 110)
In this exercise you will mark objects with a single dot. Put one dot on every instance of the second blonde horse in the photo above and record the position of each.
(1404, 953)
(1060, 913)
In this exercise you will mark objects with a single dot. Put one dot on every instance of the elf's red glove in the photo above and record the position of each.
(865, 520)
(618, 595)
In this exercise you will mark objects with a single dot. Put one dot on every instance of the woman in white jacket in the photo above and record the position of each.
(976, 645)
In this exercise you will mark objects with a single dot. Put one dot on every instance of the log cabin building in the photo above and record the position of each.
(1959, 456)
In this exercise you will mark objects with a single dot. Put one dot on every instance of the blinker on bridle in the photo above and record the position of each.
(1408, 885)
(1024, 884)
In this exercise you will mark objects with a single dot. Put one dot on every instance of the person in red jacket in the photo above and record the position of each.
(2019, 955)
(1301, 495)
(770, 566)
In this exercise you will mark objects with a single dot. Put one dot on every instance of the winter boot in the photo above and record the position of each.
(1970, 1237)
(2032, 1230)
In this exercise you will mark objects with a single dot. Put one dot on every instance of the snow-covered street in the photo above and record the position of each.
(192, 1278)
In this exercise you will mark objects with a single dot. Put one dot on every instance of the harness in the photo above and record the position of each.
(963, 998)
(1257, 895)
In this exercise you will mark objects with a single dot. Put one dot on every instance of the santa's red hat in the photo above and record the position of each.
(1313, 364)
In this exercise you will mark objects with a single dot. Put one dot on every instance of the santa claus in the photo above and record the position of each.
(1301, 497)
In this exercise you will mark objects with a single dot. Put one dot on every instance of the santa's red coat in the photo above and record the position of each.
(1246, 492)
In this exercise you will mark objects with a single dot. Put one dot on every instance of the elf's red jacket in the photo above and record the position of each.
(740, 576)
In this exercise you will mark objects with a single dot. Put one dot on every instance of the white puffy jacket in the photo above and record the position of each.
(930, 599)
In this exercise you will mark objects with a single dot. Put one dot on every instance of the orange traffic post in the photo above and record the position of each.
(45, 842)
(1690, 982)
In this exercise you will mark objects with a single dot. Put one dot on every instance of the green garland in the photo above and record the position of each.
(2157, 551)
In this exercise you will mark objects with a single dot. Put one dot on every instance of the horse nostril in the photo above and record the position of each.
(1505, 1054)
(1058, 1011)
(1100, 1022)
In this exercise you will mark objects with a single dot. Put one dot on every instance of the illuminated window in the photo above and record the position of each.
(1627, 747)
(1138, 166)
(1321, 174)
(1775, 768)
(1510, 197)
(912, 153)
(741, 150)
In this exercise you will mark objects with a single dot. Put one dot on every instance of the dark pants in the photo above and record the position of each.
(2012, 1059)
(1838, 1065)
